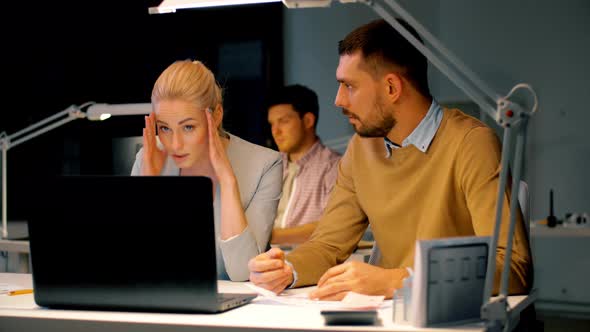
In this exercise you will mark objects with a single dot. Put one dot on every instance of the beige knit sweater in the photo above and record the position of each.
(450, 190)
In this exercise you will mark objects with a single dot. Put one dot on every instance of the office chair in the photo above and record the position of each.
(524, 200)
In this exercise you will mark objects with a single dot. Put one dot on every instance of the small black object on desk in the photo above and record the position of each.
(551, 219)
(350, 317)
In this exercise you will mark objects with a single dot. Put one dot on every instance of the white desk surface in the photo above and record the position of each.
(20, 313)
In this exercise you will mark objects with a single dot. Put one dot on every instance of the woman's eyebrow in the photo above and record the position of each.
(185, 120)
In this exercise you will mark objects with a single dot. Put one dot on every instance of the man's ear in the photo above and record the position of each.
(393, 86)
(309, 120)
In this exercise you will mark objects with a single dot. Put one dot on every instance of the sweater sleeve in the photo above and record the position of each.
(478, 170)
(260, 214)
(339, 229)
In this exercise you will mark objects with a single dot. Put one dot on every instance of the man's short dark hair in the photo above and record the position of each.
(379, 43)
(303, 99)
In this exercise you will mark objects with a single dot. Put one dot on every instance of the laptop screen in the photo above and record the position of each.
(120, 242)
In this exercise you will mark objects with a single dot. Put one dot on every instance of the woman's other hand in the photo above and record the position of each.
(153, 157)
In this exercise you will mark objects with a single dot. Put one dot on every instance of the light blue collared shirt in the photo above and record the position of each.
(422, 136)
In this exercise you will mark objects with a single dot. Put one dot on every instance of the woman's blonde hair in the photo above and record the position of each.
(190, 81)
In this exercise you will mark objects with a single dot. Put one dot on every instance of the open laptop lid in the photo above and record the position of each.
(124, 243)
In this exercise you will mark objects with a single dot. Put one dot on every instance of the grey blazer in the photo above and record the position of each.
(259, 173)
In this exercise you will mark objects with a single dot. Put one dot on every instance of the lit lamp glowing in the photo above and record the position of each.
(511, 116)
(105, 111)
(90, 110)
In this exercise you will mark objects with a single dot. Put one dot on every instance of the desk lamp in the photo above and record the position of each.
(510, 115)
(93, 111)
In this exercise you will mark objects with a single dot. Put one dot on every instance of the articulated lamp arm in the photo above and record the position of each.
(10, 141)
(89, 110)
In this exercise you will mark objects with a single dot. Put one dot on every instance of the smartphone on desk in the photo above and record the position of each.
(350, 317)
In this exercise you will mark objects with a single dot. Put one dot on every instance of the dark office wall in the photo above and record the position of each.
(55, 54)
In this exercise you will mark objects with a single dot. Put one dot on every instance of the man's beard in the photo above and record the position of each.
(384, 122)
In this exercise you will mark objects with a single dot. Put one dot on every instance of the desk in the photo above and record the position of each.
(562, 264)
(20, 313)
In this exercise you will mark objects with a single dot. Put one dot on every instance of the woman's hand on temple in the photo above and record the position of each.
(217, 155)
(153, 157)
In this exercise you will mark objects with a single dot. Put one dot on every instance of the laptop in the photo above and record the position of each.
(126, 243)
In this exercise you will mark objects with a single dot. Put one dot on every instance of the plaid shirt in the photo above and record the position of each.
(313, 183)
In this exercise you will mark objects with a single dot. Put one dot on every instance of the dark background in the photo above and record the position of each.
(55, 54)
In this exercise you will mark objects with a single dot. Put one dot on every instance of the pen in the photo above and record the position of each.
(20, 292)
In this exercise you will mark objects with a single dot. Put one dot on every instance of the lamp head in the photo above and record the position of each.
(170, 6)
(100, 112)
(103, 116)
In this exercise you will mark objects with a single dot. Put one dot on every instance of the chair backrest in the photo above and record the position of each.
(524, 200)
(525, 208)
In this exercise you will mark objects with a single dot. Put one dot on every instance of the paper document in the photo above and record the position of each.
(300, 297)
(359, 301)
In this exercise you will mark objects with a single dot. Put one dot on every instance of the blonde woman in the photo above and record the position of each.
(247, 178)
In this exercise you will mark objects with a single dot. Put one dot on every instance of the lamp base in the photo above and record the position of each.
(500, 317)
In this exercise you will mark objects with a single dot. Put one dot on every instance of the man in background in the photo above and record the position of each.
(309, 168)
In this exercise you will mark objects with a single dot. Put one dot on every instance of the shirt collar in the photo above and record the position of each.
(389, 146)
(423, 134)
(315, 149)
